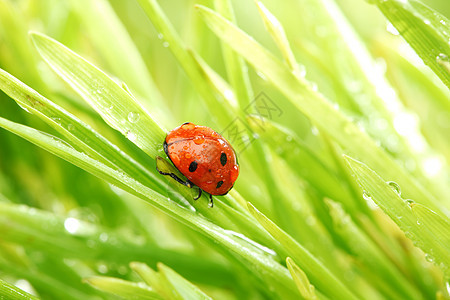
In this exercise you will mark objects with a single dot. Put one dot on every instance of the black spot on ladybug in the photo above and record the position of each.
(185, 123)
(219, 184)
(193, 166)
(209, 170)
(223, 159)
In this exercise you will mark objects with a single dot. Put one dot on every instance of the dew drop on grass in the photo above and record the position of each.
(70, 127)
(57, 120)
(103, 237)
(409, 201)
(395, 187)
(102, 268)
(166, 44)
(134, 117)
(72, 225)
(429, 258)
(131, 136)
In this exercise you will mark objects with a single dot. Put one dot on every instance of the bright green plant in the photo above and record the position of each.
(344, 184)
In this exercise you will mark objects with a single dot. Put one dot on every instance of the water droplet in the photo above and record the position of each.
(188, 126)
(57, 120)
(160, 36)
(133, 117)
(288, 138)
(426, 21)
(429, 258)
(443, 60)
(395, 187)
(187, 155)
(103, 237)
(70, 127)
(199, 140)
(102, 268)
(314, 130)
(109, 108)
(409, 201)
(166, 44)
(72, 225)
(131, 136)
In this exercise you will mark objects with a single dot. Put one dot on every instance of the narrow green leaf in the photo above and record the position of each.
(260, 262)
(276, 30)
(425, 30)
(311, 103)
(76, 131)
(120, 110)
(320, 276)
(180, 287)
(305, 288)
(435, 244)
(124, 58)
(11, 292)
(123, 288)
(365, 250)
(236, 67)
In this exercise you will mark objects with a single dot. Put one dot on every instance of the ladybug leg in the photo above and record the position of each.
(199, 194)
(178, 179)
(211, 203)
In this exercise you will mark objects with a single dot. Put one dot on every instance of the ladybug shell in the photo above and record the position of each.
(203, 156)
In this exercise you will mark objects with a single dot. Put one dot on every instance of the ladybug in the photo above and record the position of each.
(204, 157)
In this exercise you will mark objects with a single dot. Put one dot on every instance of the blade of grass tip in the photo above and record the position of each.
(123, 58)
(235, 66)
(180, 287)
(313, 104)
(276, 30)
(77, 132)
(425, 30)
(305, 288)
(274, 278)
(9, 291)
(387, 197)
(122, 288)
(320, 276)
(121, 111)
(151, 278)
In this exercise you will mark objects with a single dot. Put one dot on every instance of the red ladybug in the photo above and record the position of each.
(204, 157)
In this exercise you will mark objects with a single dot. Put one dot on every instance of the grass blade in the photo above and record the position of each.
(314, 105)
(123, 288)
(11, 292)
(320, 276)
(435, 244)
(425, 30)
(116, 106)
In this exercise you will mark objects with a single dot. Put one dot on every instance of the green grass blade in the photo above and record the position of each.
(365, 250)
(275, 278)
(276, 30)
(435, 244)
(11, 292)
(179, 50)
(124, 58)
(116, 106)
(123, 288)
(425, 30)
(315, 106)
(179, 286)
(320, 276)
(305, 288)
(76, 131)
(236, 69)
